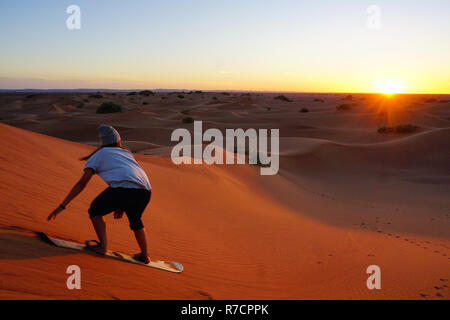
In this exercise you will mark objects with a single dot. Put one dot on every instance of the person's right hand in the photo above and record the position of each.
(118, 214)
(54, 213)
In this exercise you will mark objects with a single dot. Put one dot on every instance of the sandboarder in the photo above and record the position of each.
(129, 190)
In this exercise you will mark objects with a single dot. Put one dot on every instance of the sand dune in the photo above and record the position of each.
(337, 206)
(422, 150)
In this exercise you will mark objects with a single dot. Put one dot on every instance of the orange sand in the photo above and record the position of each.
(345, 198)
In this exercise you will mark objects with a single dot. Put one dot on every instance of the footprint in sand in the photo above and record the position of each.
(206, 294)
(365, 226)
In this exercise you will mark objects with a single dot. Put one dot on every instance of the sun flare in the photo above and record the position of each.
(389, 86)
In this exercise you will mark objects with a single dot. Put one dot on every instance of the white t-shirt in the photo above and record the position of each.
(118, 168)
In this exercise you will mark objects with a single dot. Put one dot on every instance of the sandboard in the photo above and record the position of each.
(162, 265)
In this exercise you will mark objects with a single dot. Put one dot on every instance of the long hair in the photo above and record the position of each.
(112, 145)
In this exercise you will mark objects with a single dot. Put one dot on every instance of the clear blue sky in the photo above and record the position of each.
(267, 45)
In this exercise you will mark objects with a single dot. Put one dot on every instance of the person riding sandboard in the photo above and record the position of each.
(128, 190)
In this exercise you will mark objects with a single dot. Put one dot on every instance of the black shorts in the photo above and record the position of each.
(132, 201)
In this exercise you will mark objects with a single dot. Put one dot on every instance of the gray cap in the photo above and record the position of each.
(108, 135)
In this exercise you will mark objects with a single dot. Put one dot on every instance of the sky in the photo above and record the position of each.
(280, 45)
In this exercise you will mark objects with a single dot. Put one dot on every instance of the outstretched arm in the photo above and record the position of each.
(77, 188)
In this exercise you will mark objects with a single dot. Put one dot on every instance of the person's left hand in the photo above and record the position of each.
(118, 214)
(54, 213)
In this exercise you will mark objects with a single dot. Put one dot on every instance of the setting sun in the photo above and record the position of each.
(389, 86)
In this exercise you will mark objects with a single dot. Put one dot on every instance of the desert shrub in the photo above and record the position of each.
(198, 92)
(109, 107)
(185, 111)
(145, 93)
(406, 128)
(318, 100)
(385, 129)
(349, 97)
(344, 106)
(86, 100)
(188, 120)
(304, 110)
(80, 105)
(144, 103)
(30, 96)
(401, 128)
(246, 95)
(282, 98)
(96, 96)
(132, 93)
(214, 98)
(430, 100)
(180, 96)
(269, 108)
(226, 93)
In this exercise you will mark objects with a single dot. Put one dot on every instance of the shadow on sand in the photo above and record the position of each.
(20, 245)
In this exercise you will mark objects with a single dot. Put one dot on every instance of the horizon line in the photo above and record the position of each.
(75, 90)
